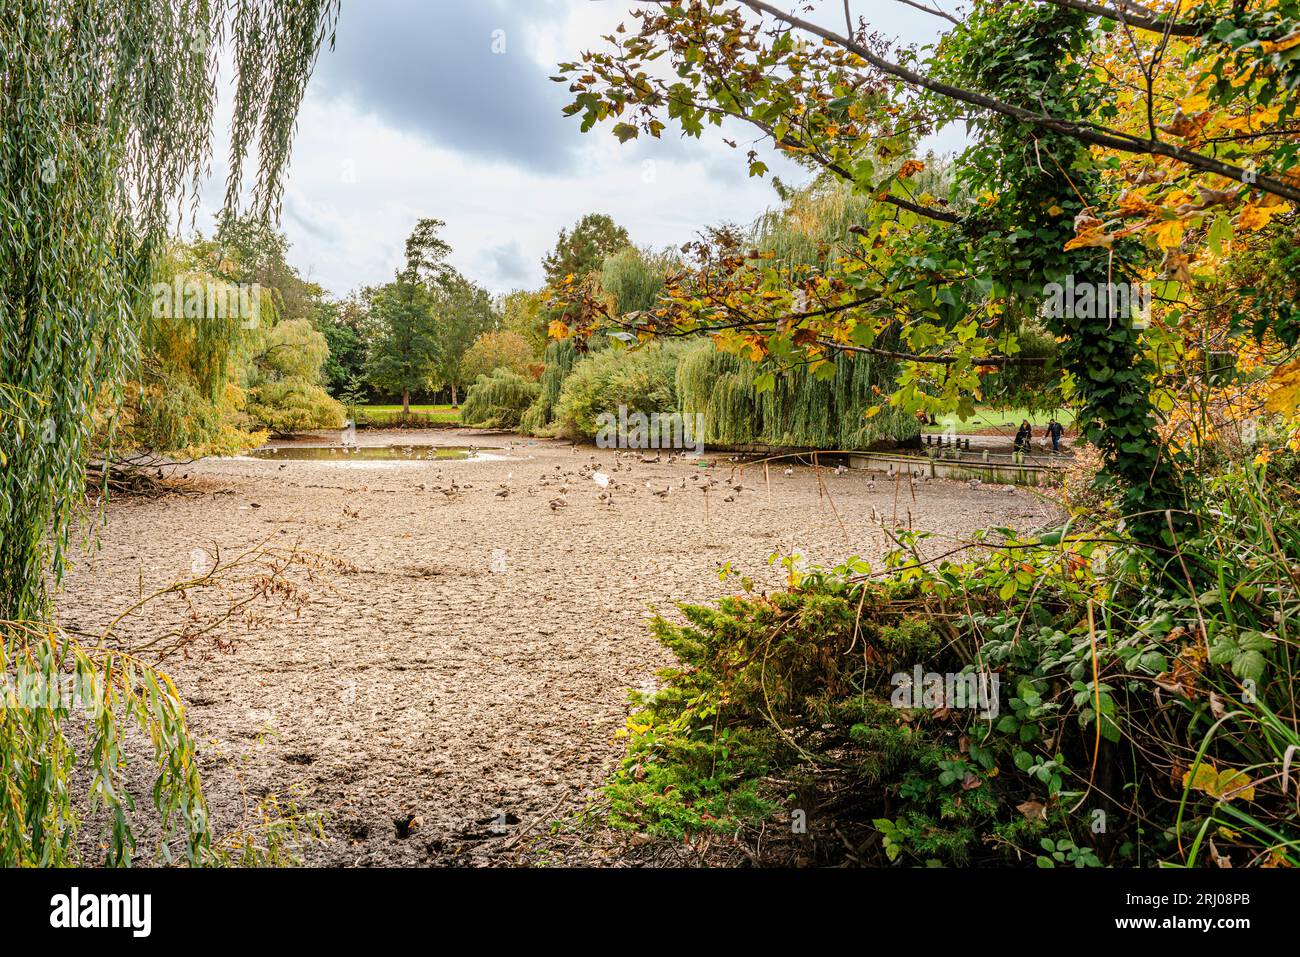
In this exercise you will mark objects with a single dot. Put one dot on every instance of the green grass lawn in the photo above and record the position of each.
(1009, 420)
(435, 413)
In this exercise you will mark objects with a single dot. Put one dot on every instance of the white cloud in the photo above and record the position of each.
(364, 172)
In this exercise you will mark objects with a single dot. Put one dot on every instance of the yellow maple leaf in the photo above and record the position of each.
(1229, 785)
(1169, 234)
(559, 330)
(1133, 203)
(1285, 398)
(1093, 236)
(1256, 217)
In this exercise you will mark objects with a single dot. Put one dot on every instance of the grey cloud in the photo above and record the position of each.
(510, 263)
(428, 67)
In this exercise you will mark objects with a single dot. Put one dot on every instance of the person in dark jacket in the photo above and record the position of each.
(1055, 430)
(1023, 435)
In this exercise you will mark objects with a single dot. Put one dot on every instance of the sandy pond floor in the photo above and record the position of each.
(461, 675)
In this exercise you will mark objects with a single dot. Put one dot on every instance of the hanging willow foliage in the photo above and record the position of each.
(498, 400)
(561, 357)
(801, 409)
(107, 109)
(106, 120)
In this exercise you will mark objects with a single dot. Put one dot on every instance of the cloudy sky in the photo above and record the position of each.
(443, 108)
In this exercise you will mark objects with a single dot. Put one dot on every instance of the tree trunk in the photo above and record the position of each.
(454, 402)
(406, 402)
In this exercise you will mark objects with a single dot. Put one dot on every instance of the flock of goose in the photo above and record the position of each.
(618, 478)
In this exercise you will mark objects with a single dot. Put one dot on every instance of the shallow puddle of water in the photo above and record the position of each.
(379, 453)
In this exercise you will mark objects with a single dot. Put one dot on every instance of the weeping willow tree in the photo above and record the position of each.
(561, 357)
(634, 278)
(827, 409)
(631, 280)
(801, 410)
(498, 400)
(106, 112)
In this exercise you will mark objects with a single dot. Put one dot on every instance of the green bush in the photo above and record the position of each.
(498, 401)
(766, 682)
(1144, 718)
(643, 380)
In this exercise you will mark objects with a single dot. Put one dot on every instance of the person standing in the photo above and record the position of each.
(1055, 430)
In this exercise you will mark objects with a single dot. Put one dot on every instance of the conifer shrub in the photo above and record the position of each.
(766, 682)
(1134, 721)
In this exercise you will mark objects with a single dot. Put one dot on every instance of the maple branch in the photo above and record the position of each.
(1085, 132)
(937, 360)
(1137, 16)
